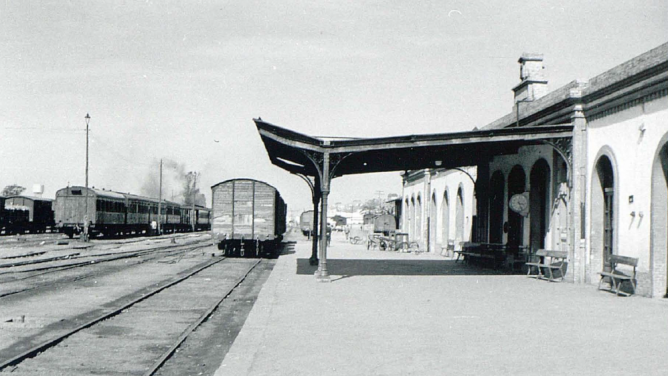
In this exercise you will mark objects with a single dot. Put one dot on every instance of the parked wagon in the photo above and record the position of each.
(23, 214)
(382, 223)
(248, 218)
(306, 223)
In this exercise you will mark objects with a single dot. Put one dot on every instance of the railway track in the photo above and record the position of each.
(137, 336)
(15, 281)
(83, 261)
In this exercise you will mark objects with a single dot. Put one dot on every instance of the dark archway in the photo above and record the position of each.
(603, 212)
(539, 195)
(496, 202)
(659, 222)
(516, 185)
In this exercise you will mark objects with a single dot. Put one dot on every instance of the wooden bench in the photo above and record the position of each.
(617, 277)
(467, 250)
(448, 250)
(551, 261)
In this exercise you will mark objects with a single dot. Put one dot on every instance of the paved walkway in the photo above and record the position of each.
(387, 313)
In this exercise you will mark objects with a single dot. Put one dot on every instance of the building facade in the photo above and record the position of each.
(438, 207)
(599, 192)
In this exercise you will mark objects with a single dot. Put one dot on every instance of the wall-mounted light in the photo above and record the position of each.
(438, 163)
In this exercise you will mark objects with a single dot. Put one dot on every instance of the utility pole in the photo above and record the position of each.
(160, 202)
(85, 218)
(194, 214)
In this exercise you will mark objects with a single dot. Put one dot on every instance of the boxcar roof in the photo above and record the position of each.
(244, 179)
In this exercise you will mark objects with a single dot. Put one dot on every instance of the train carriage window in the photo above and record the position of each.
(76, 192)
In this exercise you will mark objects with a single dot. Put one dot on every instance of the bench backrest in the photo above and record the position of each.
(625, 260)
(541, 253)
(557, 254)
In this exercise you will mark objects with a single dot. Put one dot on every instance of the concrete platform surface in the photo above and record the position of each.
(387, 313)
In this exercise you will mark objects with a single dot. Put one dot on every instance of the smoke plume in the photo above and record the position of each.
(177, 185)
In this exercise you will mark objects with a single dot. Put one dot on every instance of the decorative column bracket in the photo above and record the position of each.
(564, 146)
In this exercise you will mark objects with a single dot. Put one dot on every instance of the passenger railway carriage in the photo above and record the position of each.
(248, 218)
(115, 213)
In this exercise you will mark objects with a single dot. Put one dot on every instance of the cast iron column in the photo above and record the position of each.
(314, 236)
(322, 274)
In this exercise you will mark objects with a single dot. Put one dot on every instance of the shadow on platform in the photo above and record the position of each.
(365, 267)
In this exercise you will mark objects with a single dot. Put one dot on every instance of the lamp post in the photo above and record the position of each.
(85, 218)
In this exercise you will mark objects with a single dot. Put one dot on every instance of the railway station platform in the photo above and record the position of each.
(388, 313)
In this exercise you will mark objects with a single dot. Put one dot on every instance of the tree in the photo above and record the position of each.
(12, 190)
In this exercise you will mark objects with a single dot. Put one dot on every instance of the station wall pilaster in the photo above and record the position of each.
(577, 246)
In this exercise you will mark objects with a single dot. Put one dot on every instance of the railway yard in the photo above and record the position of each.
(121, 306)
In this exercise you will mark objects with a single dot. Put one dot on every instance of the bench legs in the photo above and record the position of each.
(616, 284)
(538, 275)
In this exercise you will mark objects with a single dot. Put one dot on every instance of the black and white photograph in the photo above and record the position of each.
(285, 188)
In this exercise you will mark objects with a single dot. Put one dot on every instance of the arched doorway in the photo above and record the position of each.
(516, 185)
(445, 218)
(659, 223)
(432, 222)
(459, 219)
(406, 225)
(539, 196)
(418, 218)
(603, 213)
(496, 200)
(411, 219)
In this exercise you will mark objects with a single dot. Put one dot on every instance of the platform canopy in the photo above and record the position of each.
(299, 153)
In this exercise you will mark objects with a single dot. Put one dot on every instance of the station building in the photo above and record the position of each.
(599, 192)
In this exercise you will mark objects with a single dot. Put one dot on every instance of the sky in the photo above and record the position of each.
(182, 81)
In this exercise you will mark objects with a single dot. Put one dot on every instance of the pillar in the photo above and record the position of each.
(322, 274)
(577, 248)
(314, 236)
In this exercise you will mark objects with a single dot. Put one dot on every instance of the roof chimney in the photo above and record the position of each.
(534, 84)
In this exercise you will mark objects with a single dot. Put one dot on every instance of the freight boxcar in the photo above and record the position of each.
(306, 222)
(248, 218)
(21, 214)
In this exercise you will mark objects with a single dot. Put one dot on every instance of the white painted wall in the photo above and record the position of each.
(632, 152)
(436, 184)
